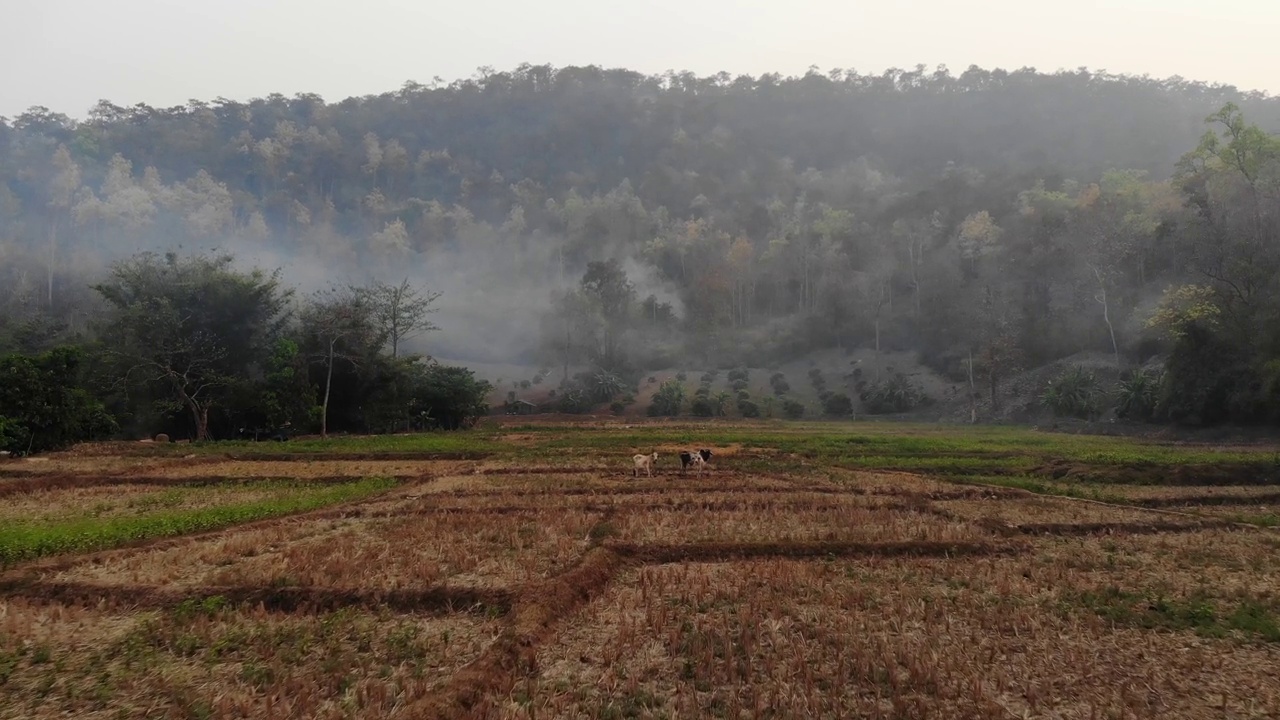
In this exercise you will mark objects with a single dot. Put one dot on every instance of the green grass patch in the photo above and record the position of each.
(1197, 612)
(25, 541)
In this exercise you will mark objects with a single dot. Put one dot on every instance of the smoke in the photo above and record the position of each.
(648, 281)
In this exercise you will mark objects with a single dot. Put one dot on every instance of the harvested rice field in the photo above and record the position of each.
(534, 577)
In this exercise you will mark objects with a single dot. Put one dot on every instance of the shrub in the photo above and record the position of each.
(681, 376)
(792, 409)
(742, 395)
(738, 385)
(779, 383)
(895, 396)
(748, 409)
(46, 404)
(1136, 395)
(1074, 393)
(702, 407)
(738, 375)
(617, 406)
(702, 392)
(839, 405)
(668, 399)
(719, 401)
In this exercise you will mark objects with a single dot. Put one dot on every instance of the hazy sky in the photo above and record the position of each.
(67, 54)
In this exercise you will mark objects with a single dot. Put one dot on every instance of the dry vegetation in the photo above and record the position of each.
(565, 588)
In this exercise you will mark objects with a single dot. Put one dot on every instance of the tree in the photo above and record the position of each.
(449, 395)
(46, 406)
(191, 325)
(341, 326)
(62, 190)
(400, 311)
(611, 297)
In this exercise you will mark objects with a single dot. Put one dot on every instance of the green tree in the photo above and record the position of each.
(46, 406)
(192, 326)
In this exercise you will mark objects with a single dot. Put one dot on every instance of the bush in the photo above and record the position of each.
(668, 399)
(738, 375)
(702, 392)
(1074, 393)
(742, 395)
(680, 376)
(45, 404)
(1137, 394)
(618, 407)
(779, 383)
(738, 385)
(748, 409)
(702, 407)
(792, 409)
(838, 405)
(895, 396)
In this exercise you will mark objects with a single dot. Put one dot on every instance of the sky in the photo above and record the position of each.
(68, 54)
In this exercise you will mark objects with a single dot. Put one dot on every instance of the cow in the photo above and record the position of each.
(698, 458)
(644, 462)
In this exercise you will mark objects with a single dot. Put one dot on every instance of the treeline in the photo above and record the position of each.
(193, 347)
(991, 221)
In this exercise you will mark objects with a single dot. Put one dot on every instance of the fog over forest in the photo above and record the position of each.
(988, 222)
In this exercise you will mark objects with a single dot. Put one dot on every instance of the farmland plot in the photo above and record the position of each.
(552, 584)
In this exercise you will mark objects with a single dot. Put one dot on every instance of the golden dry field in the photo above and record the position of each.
(815, 571)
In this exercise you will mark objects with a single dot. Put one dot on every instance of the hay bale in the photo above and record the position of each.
(162, 438)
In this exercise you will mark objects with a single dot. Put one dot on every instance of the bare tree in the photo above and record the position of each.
(400, 311)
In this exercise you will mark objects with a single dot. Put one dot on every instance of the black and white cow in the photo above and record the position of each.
(698, 458)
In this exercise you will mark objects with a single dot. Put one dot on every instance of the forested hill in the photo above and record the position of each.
(1021, 215)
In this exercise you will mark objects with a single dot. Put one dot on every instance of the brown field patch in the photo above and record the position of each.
(414, 552)
(1047, 510)
(844, 523)
(773, 638)
(311, 468)
(222, 663)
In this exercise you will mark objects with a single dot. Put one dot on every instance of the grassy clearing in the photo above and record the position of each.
(21, 540)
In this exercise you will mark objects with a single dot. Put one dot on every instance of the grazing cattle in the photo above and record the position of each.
(644, 462)
(698, 458)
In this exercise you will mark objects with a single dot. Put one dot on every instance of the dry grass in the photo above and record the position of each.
(877, 638)
(850, 522)
(1042, 510)
(405, 552)
(670, 596)
(203, 661)
(309, 468)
